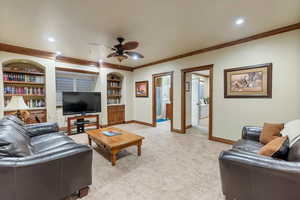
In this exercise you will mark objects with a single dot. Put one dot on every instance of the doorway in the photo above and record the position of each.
(199, 101)
(197, 107)
(162, 100)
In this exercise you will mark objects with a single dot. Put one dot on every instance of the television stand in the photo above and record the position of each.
(81, 122)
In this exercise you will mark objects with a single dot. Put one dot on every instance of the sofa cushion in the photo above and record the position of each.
(13, 143)
(270, 132)
(14, 119)
(46, 137)
(277, 148)
(248, 146)
(50, 141)
(21, 129)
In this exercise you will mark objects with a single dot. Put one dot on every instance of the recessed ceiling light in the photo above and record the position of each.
(58, 53)
(51, 39)
(239, 21)
(135, 57)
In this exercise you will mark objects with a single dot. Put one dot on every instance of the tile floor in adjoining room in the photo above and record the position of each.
(172, 166)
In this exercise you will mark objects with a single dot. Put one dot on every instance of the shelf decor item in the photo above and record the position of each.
(248, 82)
(17, 103)
(142, 89)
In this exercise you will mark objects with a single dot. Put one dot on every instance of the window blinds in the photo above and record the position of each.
(69, 84)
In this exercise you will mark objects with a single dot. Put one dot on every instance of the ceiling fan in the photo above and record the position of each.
(121, 50)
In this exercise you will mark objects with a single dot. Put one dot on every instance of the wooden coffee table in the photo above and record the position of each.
(115, 143)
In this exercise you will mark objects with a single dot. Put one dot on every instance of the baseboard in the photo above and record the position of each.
(112, 124)
(129, 122)
(226, 141)
(188, 126)
(177, 131)
(140, 122)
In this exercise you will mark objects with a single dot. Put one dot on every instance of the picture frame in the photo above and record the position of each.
(248, 82)
(142, 89)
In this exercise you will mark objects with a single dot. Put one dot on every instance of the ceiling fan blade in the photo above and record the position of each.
(130, 45)
(112, 55)
(134, 54)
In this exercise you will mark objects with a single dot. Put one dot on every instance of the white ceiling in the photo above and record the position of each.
(164, 28)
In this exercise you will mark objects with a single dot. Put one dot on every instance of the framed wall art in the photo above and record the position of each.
(142, 89)
(248, 82)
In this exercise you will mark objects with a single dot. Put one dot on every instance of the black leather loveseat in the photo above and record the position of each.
(246, 175)
(37, 162)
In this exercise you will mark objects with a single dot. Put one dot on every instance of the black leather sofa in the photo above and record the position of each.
(37, 162)
(246, 175)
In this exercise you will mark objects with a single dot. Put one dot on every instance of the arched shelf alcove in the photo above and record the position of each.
(25, 78)
(114, 88)
(115, 109)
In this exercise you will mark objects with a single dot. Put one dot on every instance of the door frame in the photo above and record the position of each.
(154, 103)
(183, 97)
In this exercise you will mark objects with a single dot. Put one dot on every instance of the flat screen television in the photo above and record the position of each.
(81, 102)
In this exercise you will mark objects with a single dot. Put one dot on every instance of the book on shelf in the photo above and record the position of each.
(7, 76)
(114, 84)
(32, 103)
(23, 90)
(114, 101)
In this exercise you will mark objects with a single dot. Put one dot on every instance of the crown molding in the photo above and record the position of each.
(76, 61)
(75, 70)
(52, 56)
(115, 66)
(227, 44)
(27, 51)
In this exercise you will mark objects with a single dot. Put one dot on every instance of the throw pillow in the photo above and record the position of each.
(270, 132)
(277, 148)
(292, 130)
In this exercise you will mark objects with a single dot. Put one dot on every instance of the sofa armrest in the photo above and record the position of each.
(42, 128)
(252, 176)
(251, 133)
(54, 174)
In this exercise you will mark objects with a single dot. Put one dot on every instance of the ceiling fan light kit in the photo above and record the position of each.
(121, 50)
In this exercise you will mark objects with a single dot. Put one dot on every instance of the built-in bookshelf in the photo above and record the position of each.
(114, 89)
(27, 80)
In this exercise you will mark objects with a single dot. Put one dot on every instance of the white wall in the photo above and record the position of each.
(230, 115)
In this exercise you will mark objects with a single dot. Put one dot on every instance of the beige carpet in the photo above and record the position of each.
(172, 166)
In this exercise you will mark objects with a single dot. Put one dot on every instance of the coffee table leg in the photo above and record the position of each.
(113, 158)
(139, 147)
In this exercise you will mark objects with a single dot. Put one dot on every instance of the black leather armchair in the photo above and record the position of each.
(245, 175)
(56, 167)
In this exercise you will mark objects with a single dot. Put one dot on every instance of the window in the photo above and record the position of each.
(66, 82)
